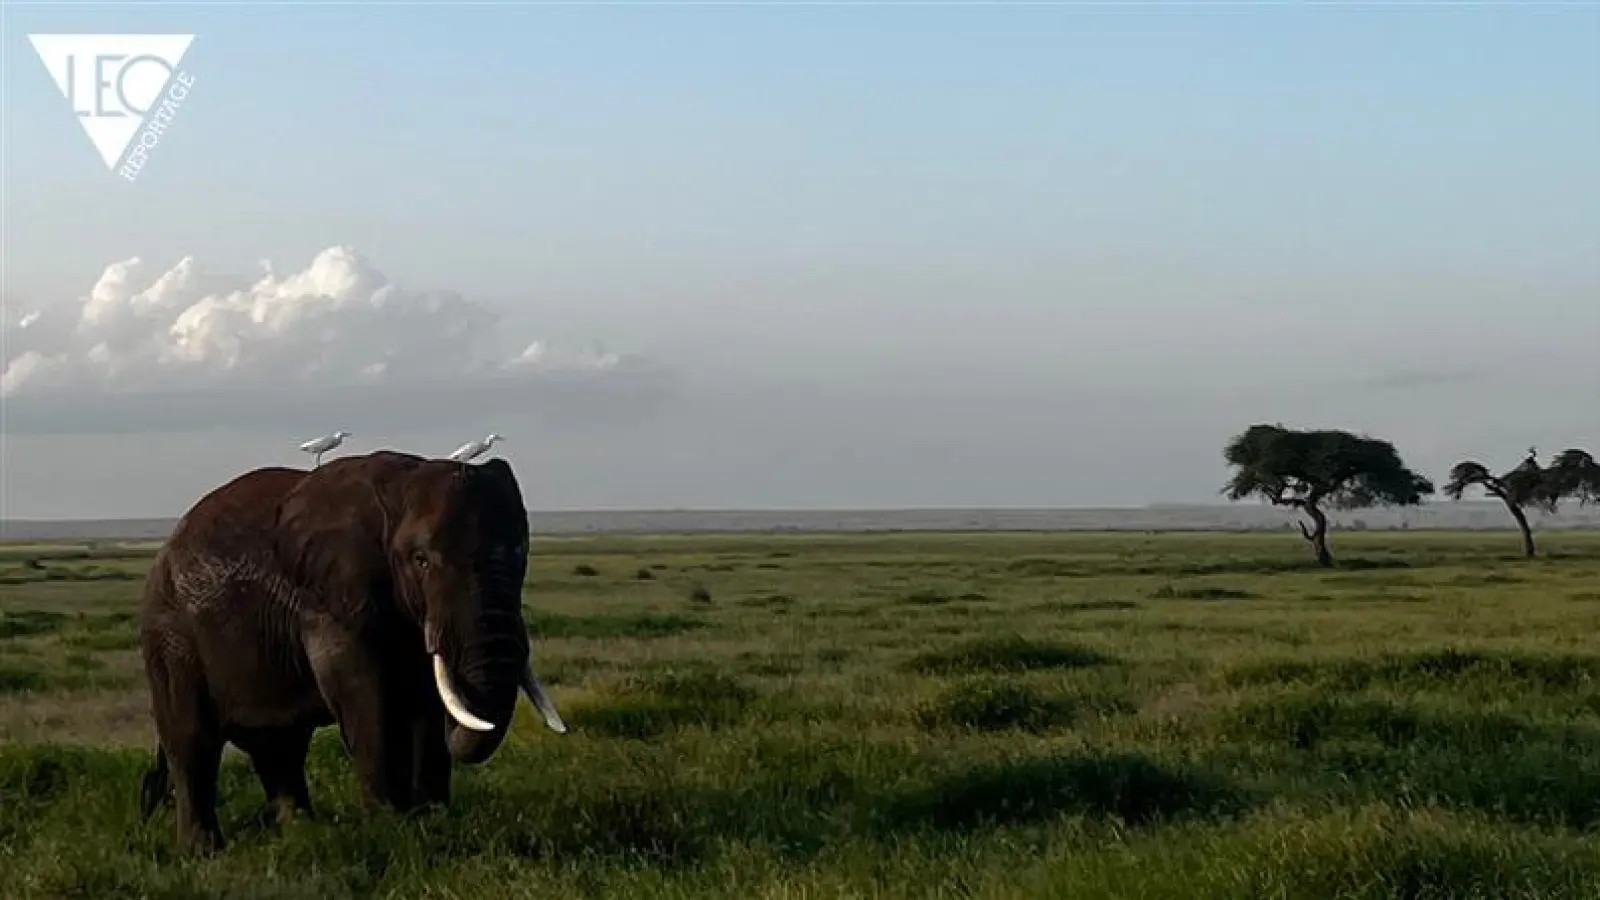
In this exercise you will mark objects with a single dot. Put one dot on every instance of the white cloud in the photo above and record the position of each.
(337, 329)
(338, 322)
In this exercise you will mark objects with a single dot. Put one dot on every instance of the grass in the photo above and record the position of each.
(1008, 716)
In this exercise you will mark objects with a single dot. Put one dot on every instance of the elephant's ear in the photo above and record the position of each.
(499, 490)
(334, 529)
(498, 472)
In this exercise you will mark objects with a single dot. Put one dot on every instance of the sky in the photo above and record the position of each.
(824, 256)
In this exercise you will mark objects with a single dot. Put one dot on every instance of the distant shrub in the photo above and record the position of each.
(1043, 567)
(16, 680)
(778, 602)
(26, 622)
(928, 598)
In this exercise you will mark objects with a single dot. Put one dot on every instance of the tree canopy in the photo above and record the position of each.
(1571, 474)
(1526, 485)
(1308, 470)
(1330, 468)
(1575, 473)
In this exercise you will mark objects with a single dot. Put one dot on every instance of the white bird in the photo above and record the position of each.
(323, 444)
(472, 449)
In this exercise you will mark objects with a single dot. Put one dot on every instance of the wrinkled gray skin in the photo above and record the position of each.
(287, 600)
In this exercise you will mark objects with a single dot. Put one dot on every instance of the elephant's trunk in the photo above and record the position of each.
(479, 682)
(481, 658)
(471, 747)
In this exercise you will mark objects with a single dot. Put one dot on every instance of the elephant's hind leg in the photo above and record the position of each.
(196, 760)
(192, 740)
(279, 758)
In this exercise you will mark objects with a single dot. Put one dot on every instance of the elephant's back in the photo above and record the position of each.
(225, 534)
(236, 516)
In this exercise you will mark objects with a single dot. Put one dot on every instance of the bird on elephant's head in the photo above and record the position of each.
(381, 593)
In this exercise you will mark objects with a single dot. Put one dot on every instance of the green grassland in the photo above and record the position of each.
(903, 715)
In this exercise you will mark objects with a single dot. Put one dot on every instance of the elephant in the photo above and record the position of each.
(381, 593)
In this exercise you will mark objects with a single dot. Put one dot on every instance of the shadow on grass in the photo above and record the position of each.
(996, 706)
(1493, 763)
(1309, 720)
(770, 665)
(937, 597)
(34, 779)
(1204, 592)
(614, 805)
(799, 799)
(1360, 564)
(1256, 565)
(778, 603)
(626, 625)
(1045, 567)
(1004, 654)
(652, 705)
(44, 774)
(1432, 668)
(1488, 578)
(793, 798)
(1077, 606)
(1124, 786)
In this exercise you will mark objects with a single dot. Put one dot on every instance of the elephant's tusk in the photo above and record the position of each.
(452, 700)
(541, 701)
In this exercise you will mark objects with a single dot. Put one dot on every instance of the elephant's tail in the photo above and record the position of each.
(153, 789)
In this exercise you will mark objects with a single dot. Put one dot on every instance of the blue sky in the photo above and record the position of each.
(708, 131)
(987, 201)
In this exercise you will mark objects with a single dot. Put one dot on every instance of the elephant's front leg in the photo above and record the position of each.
(430, 756)
(430, 743)
(372, 719)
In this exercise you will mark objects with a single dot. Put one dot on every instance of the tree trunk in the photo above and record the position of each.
(1317, 535)
(1528, 550)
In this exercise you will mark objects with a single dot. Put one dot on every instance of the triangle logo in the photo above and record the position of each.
(113, 82)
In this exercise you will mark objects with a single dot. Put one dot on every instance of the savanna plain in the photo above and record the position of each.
(902, 715)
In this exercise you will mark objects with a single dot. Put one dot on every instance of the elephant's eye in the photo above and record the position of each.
(420, 558)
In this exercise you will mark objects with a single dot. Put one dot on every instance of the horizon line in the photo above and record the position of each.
(715, 510)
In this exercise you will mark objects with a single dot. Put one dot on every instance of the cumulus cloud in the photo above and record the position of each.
(191, 343)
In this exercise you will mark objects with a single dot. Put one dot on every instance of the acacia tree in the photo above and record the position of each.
(1317, 469)
(1526, 485)
(1575, 473)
